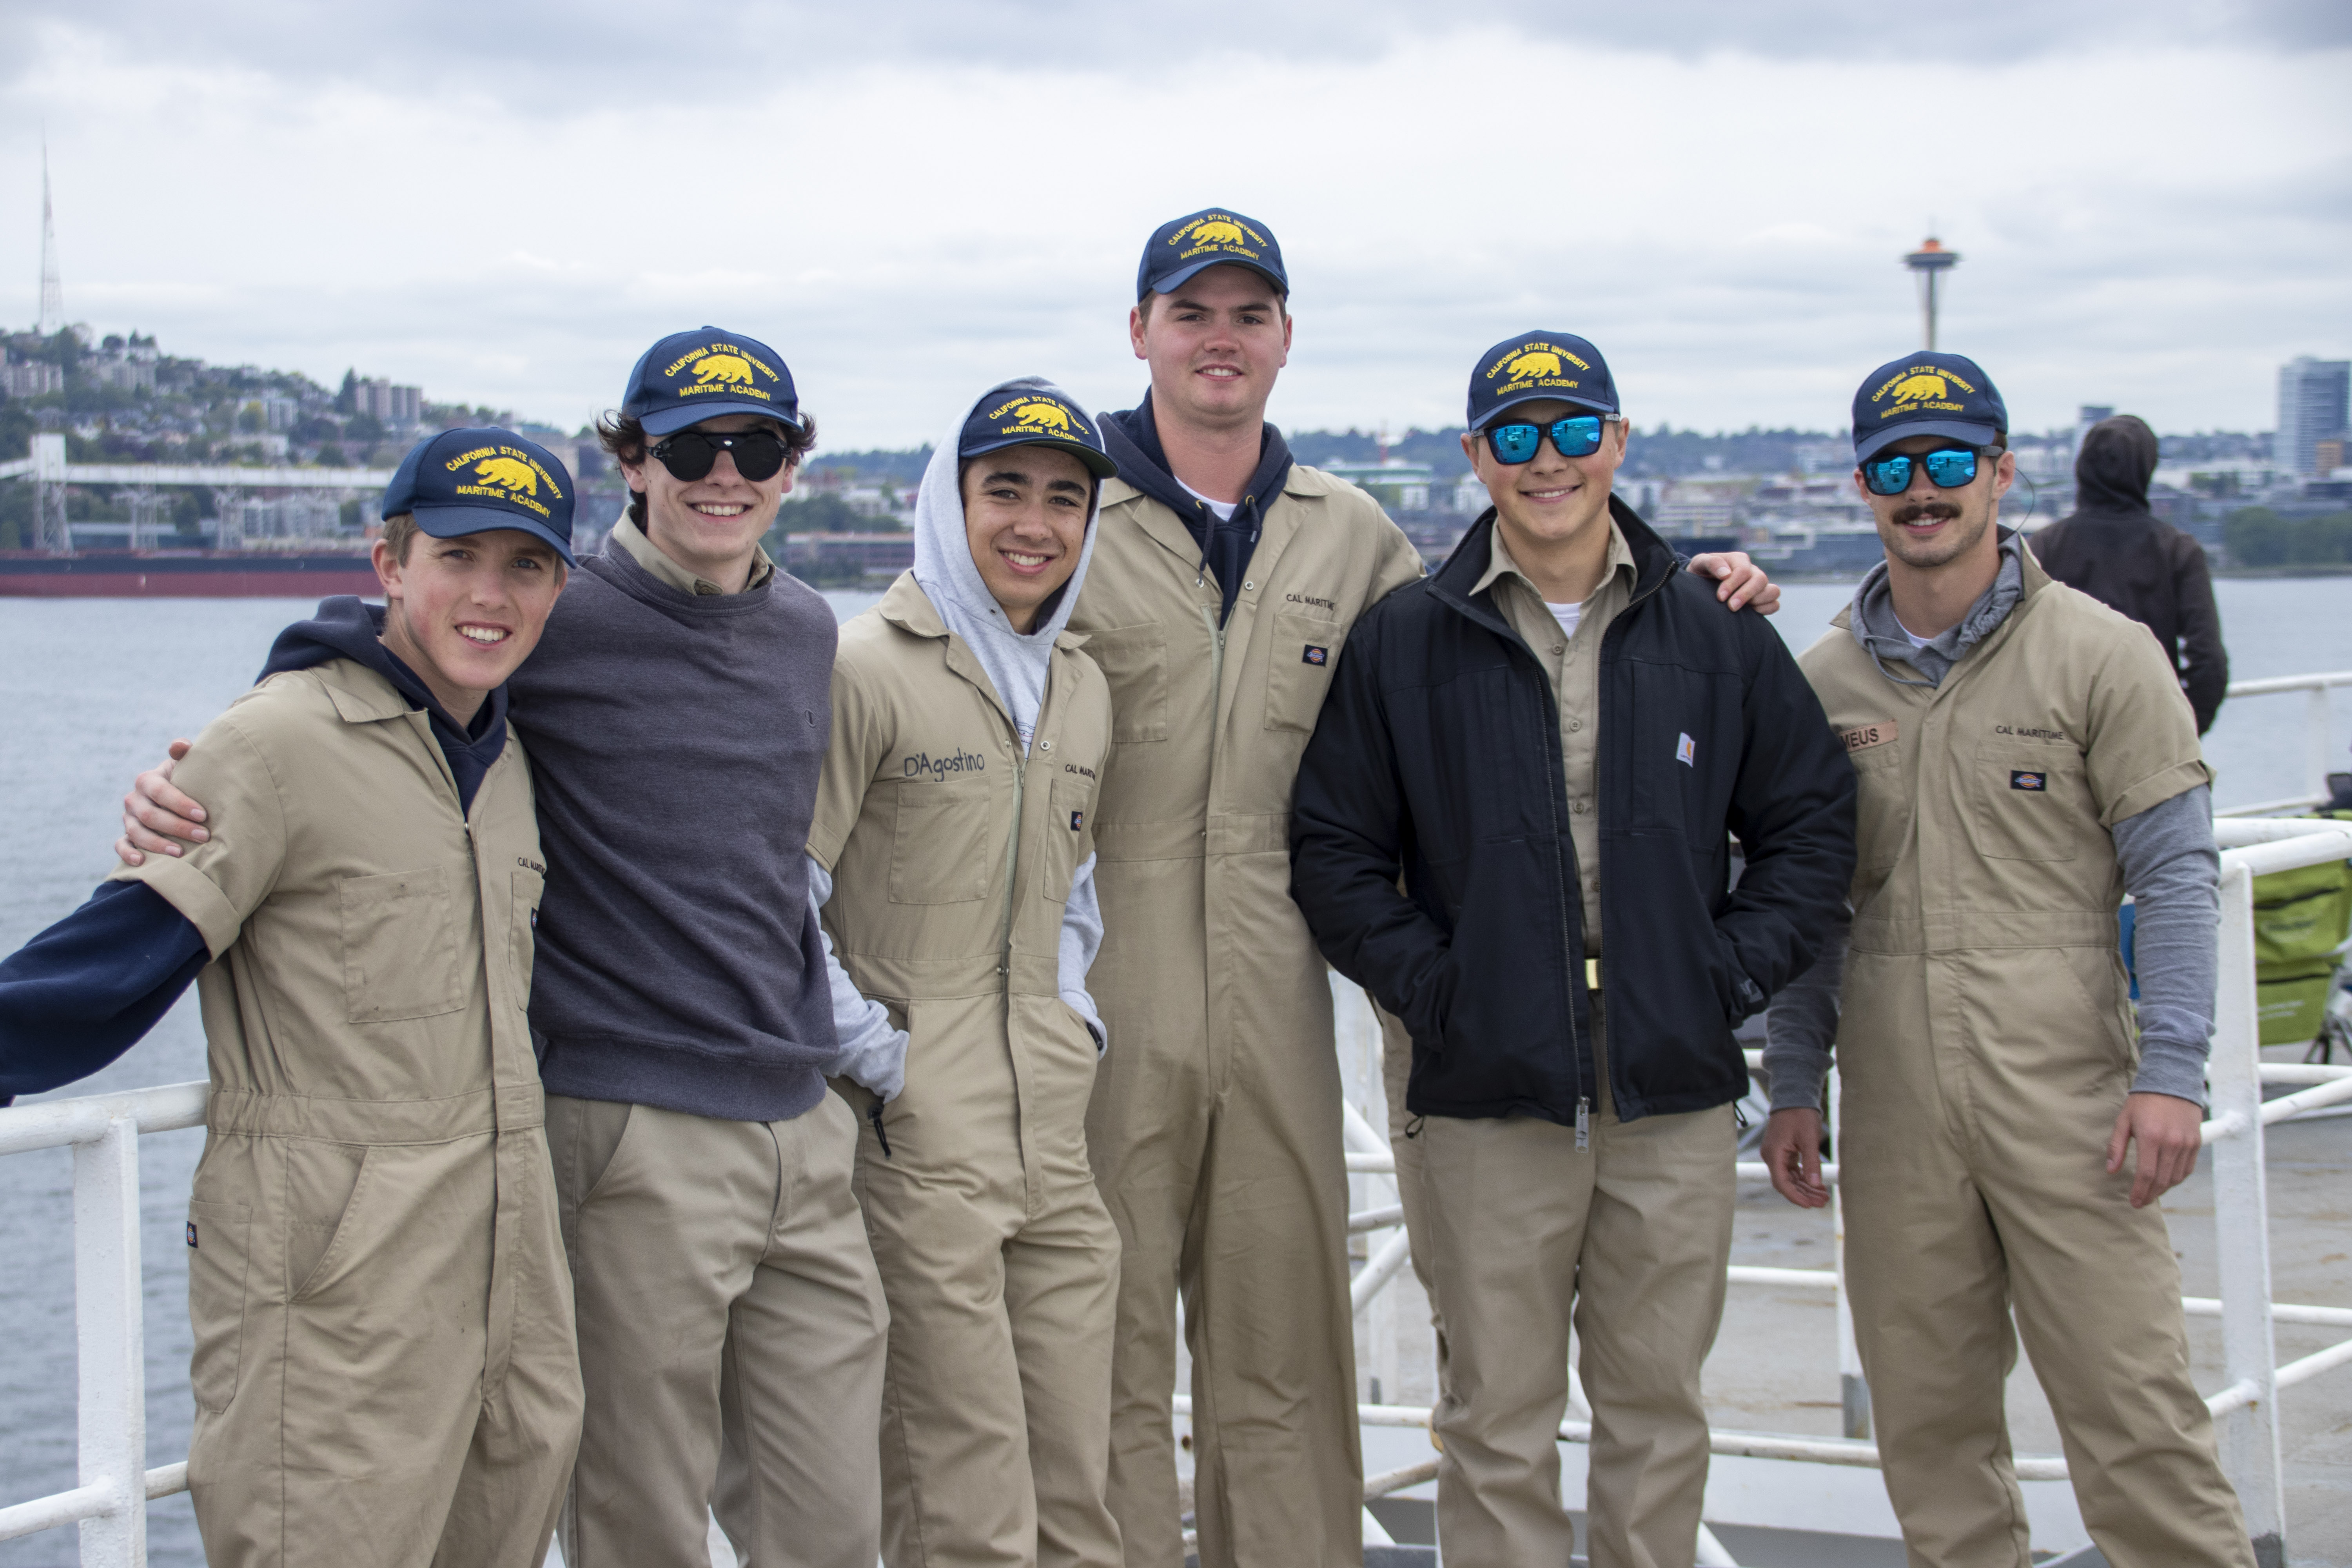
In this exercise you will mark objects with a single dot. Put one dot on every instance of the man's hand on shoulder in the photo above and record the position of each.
(156, 817)
(1740, 584)
(2168, 1131)
(1792, 1157)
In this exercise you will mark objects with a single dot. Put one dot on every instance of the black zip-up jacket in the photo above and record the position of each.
(1437, 757)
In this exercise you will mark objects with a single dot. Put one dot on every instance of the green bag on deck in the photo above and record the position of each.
(2301, 917)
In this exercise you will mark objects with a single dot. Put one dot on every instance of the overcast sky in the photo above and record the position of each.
(505, 203)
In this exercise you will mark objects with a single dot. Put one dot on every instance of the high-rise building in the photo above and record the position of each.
(397, 406)
(2312, 398)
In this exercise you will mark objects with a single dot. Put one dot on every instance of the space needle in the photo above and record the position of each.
(1928, 264)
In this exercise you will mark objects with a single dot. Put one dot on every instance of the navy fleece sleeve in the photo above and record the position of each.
(85, 990)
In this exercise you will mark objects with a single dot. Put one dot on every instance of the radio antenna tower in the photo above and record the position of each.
(1928, 264)
(53, 293)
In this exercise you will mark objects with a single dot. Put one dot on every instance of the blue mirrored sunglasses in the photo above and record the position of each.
(1949, 468)
(1575, 437)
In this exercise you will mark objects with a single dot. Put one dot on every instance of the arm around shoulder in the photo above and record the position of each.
(217, 884)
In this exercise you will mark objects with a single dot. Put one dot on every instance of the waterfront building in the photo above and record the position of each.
(2312, 408)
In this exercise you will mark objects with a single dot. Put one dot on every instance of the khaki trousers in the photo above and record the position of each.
(1002, 1269)
(1975, 1182)
(731, 1338)
(1404, 1143)
(1224, 1175)
(1630, 1238)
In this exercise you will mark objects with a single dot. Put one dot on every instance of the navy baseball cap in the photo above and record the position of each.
(688, 377)
(1215, 238)
(475, 480)
(1033, 413)
(1926, 394)
(1560, 367)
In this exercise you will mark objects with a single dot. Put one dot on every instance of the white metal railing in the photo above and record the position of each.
(2245, 1410)
(2315, 752)
(110, 1502)
(110, 1336)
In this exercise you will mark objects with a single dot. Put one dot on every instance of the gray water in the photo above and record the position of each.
(92, 688)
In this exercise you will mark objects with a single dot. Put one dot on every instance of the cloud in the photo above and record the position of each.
(549, 52)
(921, 200)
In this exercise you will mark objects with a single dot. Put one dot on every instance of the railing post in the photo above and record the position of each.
(110, 1334)
(2247, 1436)
(1854, 1390)
(2315, 744)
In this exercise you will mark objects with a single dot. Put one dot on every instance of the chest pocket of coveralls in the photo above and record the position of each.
(2031, 802)
(523, 941)
(400, 945)
(1882, 804)
(1305, 649)
(941, 843)
(1134, 660)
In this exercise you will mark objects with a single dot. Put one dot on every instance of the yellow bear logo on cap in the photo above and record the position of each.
(731, 369)
(1218, 232)
(511, 472)
(1043, 416)
(1919, 387)
(1534, 363)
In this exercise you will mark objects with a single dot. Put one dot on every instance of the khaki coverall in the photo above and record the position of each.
(1629, 1235)
(1987, 1044)
(952, 856)
(383, 1368)
(1215, 1128)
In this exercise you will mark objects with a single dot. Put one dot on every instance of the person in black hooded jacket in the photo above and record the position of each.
(1557, 733)
(2122, 554)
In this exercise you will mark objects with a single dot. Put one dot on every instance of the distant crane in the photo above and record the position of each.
(1928, 264)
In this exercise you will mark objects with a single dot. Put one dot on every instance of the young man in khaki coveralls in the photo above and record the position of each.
(384, 1371)
(1226, 580)
(2026, 758)
(954, 861)
(1552, 736)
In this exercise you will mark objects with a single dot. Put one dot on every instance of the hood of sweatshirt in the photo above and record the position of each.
(1132, 437)
(1876, 627)
(2113, 470)
(1015, 661)
(348, 627)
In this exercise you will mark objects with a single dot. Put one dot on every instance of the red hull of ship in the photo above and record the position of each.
(124, 576)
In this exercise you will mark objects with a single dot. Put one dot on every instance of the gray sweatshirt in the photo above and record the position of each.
(872, 1052)
(2171, 869)
(675, 743)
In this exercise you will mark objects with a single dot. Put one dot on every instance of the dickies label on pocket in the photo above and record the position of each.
(1315, 655)
(192, 1233)
(2027, 779)
(1078, 821)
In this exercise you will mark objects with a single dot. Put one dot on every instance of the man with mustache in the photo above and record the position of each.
(2026, 758)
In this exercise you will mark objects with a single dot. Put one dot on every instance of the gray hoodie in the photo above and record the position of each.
(872, 1052)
